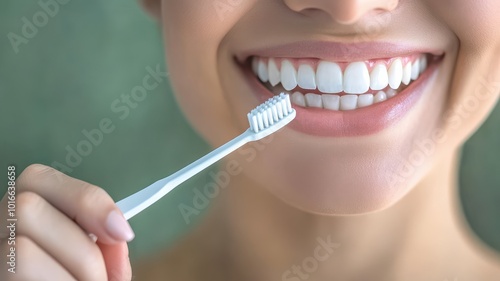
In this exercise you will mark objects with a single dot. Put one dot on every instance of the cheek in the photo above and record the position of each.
(193, 32)
(475, 23)
(204, 20)
(474, 88)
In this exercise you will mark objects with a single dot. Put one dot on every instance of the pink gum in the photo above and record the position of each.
(343, 65)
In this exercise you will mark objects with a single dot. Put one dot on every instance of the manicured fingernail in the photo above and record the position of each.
(118, 227)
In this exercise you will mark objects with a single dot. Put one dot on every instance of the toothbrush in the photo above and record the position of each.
(264, 120)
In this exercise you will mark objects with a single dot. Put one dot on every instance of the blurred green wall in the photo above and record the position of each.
(66, 78)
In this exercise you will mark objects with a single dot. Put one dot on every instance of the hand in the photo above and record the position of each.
(55, 214)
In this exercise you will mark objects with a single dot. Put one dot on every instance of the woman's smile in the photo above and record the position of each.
(345, 93)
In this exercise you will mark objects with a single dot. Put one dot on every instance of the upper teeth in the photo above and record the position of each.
(328, 77)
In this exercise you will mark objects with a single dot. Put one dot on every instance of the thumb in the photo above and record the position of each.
(117, 261)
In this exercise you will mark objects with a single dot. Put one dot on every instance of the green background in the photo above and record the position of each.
(64, 79)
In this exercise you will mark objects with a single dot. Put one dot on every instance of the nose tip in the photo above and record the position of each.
(342, 11)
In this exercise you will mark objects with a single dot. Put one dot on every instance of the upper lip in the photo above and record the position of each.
(337, 51)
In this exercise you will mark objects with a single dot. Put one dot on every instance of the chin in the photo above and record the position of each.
(335, 195)
(331, 177)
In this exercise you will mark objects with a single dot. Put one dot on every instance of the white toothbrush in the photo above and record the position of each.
(264, 120)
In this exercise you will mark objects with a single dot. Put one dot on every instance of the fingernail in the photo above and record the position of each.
(118, 227)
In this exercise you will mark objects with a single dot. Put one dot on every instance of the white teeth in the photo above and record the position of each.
(329, 77)
(255, 66)
(407, 74)
(331, 102)
(306, 77)
(298, 99)
(288, 75)
(336, 102)
(262, 71)
(423, 63)
(390, 93)
(378, 77)
(348, 102)
(396, 73)
(380, 97)
(365, 100)
(313, 100)
(415, 70)
(356, 78)
(274, 73)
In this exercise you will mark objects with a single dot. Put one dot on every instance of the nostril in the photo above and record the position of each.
(345, 18)
(345, 12)
(313, 13)
(322, 15)
(379, 11)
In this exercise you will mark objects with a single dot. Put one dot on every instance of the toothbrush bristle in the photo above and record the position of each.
(270, 112)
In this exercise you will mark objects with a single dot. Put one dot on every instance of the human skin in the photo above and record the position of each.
(300, 187)
(217, 105)
(339, 176)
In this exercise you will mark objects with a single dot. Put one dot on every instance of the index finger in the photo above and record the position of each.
(88, 205)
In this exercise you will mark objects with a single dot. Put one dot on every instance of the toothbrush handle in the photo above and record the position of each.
(135, 203)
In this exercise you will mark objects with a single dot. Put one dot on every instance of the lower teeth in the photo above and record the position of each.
(340, 102)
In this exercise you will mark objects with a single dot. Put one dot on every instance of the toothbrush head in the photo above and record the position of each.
(271, 116)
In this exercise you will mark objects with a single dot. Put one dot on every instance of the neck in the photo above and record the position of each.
(274, 241)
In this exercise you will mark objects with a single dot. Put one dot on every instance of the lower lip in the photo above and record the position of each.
(358, 122)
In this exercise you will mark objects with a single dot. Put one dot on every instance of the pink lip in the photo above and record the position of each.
(338, 52)
(359, 122)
